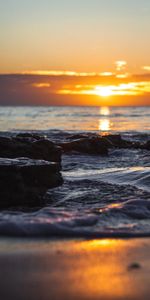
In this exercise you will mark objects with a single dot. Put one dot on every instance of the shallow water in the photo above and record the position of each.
(101, 196)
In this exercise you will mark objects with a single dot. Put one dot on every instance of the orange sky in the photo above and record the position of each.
(67, 52)
(71, 88)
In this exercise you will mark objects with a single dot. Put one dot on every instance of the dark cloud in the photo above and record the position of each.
(17, 89)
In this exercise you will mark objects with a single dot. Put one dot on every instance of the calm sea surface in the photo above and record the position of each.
(101, 196)
(103, 119)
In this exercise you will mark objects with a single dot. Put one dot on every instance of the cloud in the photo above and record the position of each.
(41, 85)
(130, 88)
(146, 68)
(120, 65)
(33, 89)
(61, 73)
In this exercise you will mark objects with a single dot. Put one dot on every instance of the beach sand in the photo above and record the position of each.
(74, 269)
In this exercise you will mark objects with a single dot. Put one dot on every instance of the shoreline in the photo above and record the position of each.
(74, 269)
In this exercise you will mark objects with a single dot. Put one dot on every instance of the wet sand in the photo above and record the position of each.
(74, 269)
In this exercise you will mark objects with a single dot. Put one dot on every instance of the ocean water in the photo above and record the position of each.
(101, 196)
(102, 119)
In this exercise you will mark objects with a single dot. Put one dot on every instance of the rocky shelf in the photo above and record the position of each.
(23, 182)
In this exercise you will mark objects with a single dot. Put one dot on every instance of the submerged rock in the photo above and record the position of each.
(31, 146)
(90, 145)
(147, 145)
(77, 136)
(30, 135)
(24, 181)
(116, 141)
(96, 144)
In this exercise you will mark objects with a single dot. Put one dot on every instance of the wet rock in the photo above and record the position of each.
(77, 136)
(31, 146)
(30, 135)
(147, 145)
(116, 141)
(24, 181)
(90, 145)
(96, 144)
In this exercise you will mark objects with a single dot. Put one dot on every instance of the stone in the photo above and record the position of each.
(30, 135)
(77, 136)
(116, 141)
(147, 145)
(96, 144)
(90, 145)
(24, 182)
(31, 146)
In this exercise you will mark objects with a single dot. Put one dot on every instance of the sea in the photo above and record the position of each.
(102, 196)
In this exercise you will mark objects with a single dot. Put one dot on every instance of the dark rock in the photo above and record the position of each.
(147, 145)
(96, 144)
(24, 181)
(30, 146)
(77, 136)
(116, 141)
(113, 140)
(30, 135)
(90, 145)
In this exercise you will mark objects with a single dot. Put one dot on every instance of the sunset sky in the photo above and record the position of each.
(67, 52)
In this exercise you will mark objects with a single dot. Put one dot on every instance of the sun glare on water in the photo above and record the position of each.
(104, 125)
(104, 121)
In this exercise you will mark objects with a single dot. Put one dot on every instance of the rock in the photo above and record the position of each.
(30, 135)
(77, 136)
(96, 144)
(116, 141)
(113, 140)
(90, 145)
(147, 145)
(31, 146)
(24, 182)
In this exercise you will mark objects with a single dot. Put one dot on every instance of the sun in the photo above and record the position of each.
(104, 91)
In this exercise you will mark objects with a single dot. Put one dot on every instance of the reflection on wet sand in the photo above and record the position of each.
(75, 269)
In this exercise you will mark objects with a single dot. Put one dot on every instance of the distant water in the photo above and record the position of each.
(101, 196)
(101, 119)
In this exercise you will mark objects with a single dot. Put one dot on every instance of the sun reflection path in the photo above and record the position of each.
(104, 110)
(104, 124)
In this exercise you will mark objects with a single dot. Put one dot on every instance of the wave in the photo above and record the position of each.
(137, 176)
(101, 197)
(86, 226)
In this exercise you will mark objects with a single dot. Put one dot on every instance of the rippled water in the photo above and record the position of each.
(101, 196)
(103, 119)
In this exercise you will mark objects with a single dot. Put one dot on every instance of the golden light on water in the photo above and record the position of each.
(94, 269)
(101, 266)
(104, 123)
(111, 206)
(104, 110)
(102, 242)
